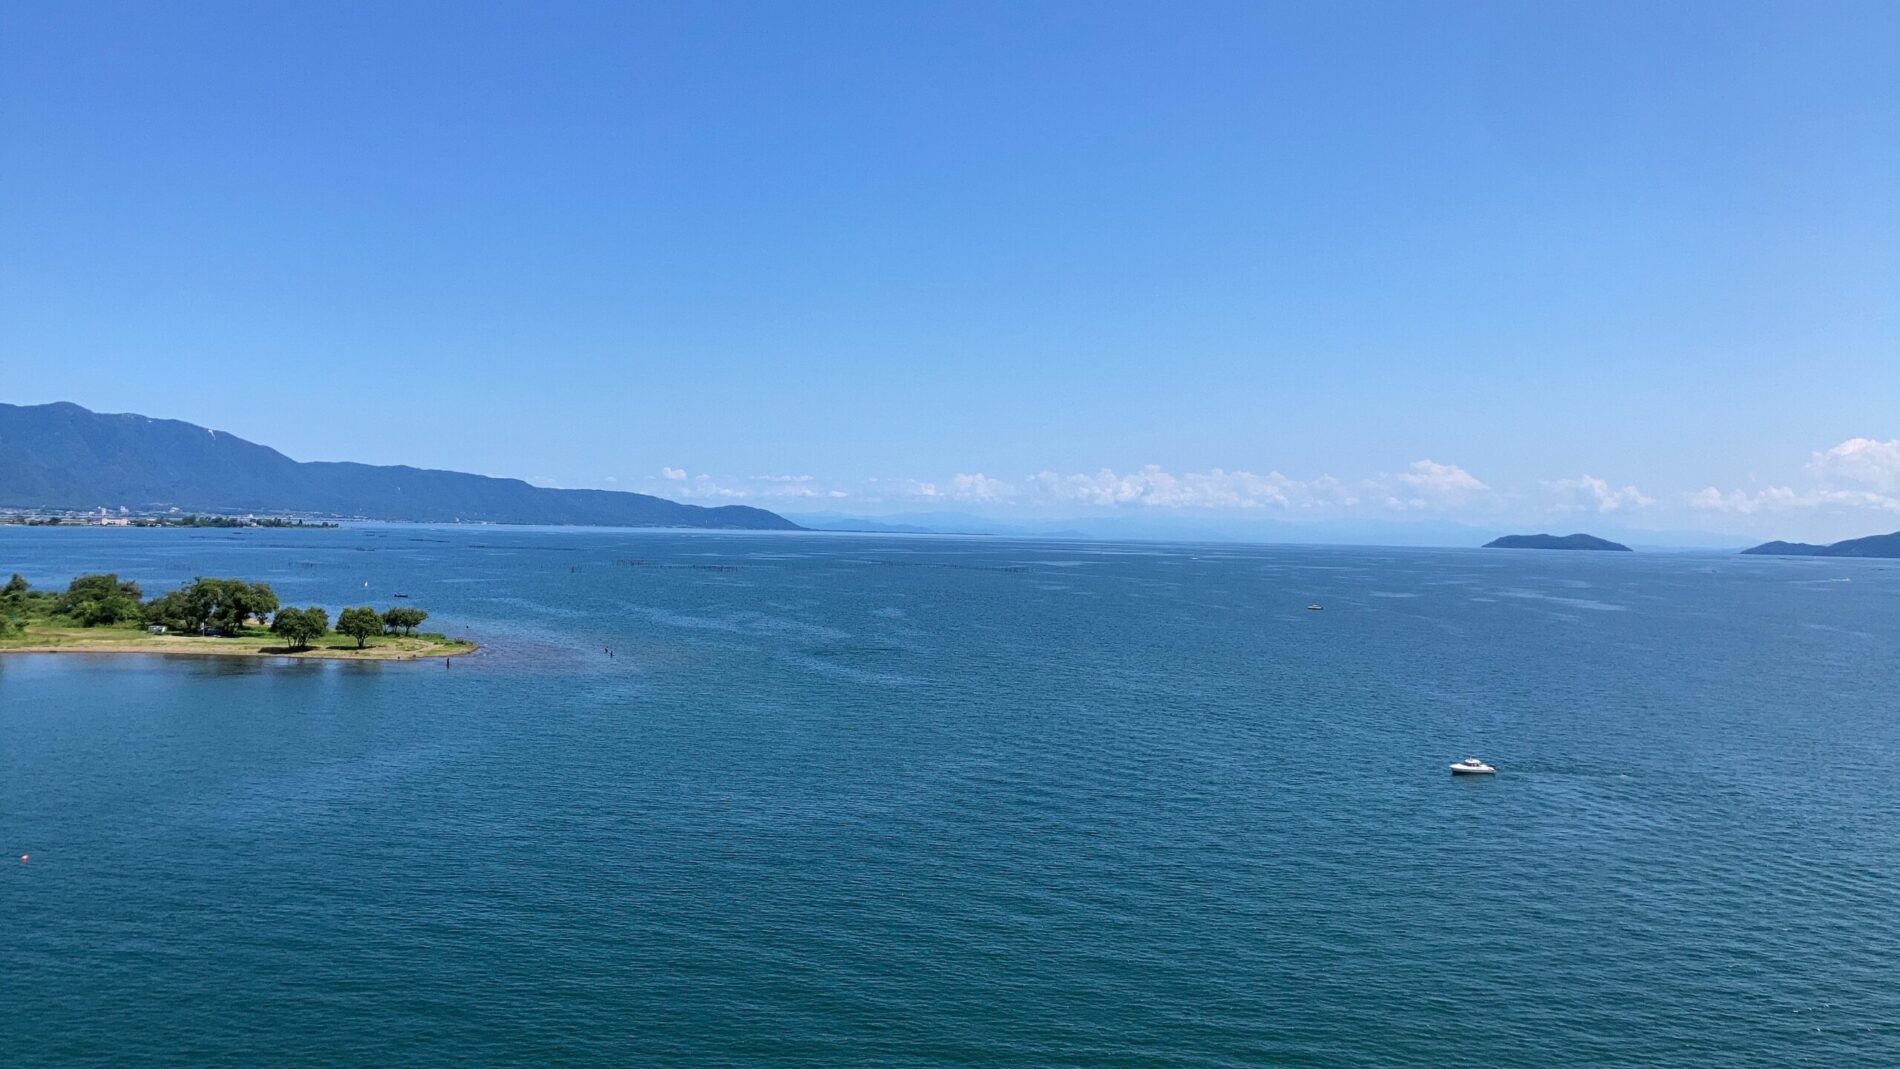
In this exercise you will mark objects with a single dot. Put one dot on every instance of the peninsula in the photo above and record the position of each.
(64, 457)
(1546, 541)
(208, 617)
(1887, 545)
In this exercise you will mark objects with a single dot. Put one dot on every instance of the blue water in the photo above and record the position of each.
(863, 801)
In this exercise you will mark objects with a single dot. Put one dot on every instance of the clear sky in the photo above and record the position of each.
(1621, 266)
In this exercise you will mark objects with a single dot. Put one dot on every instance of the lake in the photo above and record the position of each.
(909, 801)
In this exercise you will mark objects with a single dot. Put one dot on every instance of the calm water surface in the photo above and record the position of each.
(921, 802)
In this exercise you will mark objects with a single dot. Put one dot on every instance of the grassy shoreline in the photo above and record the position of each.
(45, 637)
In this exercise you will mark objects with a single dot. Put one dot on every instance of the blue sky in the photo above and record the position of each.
(1620, 266)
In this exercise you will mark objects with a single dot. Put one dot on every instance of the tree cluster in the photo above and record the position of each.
(18, 600)
(359, 624)
(404, 619)
(300, 627)
(226, 604)
(93, 600)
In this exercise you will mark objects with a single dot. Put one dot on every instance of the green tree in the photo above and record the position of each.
(227, 604)
(19, 602)
(197, 602)
(403, 618)
(186, 609)
(99, 599)
(12, 600)
(359, 624)
(300, 627)
(222, 600)
(168, 610)
(238, 601)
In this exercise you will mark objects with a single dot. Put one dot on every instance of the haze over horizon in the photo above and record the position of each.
(1614, 268)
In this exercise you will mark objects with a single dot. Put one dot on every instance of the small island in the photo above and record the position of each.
(207, 617)
(1546, 541)
(1887, 545)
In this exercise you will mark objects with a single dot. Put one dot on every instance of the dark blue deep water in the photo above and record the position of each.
(864, 801)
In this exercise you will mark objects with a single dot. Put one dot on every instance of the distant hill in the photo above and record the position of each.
(1887, 545)
(1545, 541)
(62, 456)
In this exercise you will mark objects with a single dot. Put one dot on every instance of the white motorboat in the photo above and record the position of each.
(1315, 607)
(1471, 766)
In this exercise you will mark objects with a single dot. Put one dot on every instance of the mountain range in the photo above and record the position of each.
(62, 456)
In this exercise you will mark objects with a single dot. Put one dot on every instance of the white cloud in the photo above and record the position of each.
(979, 487)
(760, 487)
(1859, 474)
(1426, 484)
(1438, 478)
(1588, 493)
(1148, 486)
(914, 488)
(1847, 485)
(1429, 485)
(707, 486)
(1786, 499)
(1860, 460)
(792, 486)
(1154, 487)
(1713, 500)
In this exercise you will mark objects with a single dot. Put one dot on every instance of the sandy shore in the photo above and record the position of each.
(387, 648)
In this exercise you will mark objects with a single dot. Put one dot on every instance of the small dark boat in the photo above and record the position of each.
(402, 595)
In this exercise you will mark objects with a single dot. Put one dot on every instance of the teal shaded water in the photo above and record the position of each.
(844, 801)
